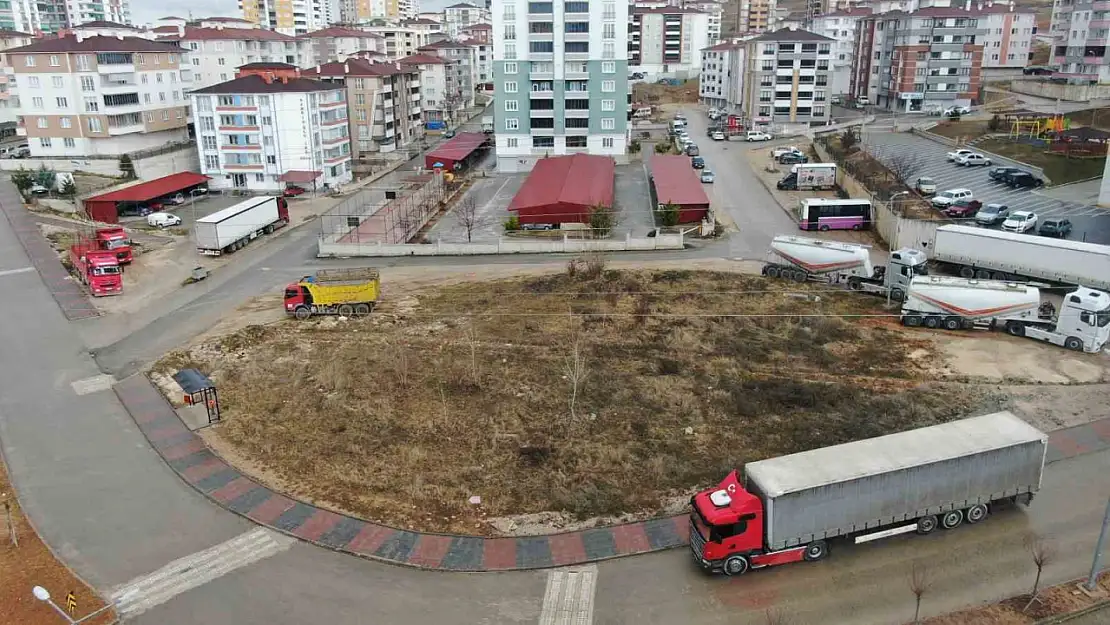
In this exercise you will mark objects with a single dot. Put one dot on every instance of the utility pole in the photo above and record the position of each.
(1092, 579)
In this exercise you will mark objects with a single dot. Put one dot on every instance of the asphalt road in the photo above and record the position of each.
(1090, 223)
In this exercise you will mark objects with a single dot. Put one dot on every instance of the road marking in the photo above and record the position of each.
(94, 384)
(181, 575)
(10, 272)
(569, 597)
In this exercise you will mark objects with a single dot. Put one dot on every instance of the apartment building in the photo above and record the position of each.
(1008, 41)
(83, 11)
(84, 96)
(841, 26)
(1080, 31)
(271, 123)
(463, 15)
(383, 103)
(214, 53)
(400, 41)
(787, 78)
(289, 17)
(19, 16)
(483, 69)
(666, 41)
(482, 33)
(714, 12)
(928, 59)
(560, 80)
(433, 85)
(462, 72)
(753, 16)
(721, 84)
(9, 99)
(337, 43)
(432, 29)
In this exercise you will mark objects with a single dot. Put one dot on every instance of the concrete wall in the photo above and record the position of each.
(1069, 93)
(329, 247)
(145, 168)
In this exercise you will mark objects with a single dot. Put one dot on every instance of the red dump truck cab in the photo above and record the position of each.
(115, 240)
(99, 269)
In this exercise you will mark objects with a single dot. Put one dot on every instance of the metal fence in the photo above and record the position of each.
(391, 210)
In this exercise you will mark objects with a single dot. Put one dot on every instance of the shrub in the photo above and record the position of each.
(512, 224)
(663, 147)
(602, 220)
(634, 146)
(995, 124)
(669, 215)
(69, 188)
(23, 179)
(126, 167)
(848, 140)
(46, 177)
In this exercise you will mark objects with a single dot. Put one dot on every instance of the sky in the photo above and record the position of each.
(147, 11)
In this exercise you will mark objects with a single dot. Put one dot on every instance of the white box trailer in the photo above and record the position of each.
(865, 485)
(992, 254)
(233, 227)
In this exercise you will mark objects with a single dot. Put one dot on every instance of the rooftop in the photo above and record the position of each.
(74, 43)
(105, 24)
(420, 20)
(480, 26)
(341, 31)
(462, 5)
(267, 65)
(676, 182)
(787, 34)
(722, 46)
(661, 10)
(197, 33)
(258, 84)
(422, 59)
(357, 67)
(584, 180)
(13, 34)
(445, 44)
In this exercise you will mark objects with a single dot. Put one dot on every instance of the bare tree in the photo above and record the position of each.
(468, 215)
(1042, 554)
(401, 364)
(905, 164)
(919, 585)
(576, 371)
(470, 335)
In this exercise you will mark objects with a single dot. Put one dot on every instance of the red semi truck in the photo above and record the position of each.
(794, 507)
(97, 268)
(116, 241)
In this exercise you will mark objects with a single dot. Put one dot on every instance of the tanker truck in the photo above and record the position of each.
(802, 259)
(1083, 322)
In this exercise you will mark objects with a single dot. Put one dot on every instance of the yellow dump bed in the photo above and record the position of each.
(330, 287)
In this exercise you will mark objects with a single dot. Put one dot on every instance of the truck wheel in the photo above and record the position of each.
(362, 309)
(1015, 328)
(976, 513)
(816, 550)
(772, 272)
(982, 274)
(268, 229)
(345, 310)
(1073, 343)
(912, 321)
(763, 271)
(799, 276)
(926, 524)
(967, 272)
(855, 283)
(1001, 277)
(302, 312)
(897, 295)
(952, 519)
(736, 565)
(953, 323)
(932, 322)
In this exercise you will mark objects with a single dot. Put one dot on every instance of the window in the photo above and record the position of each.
(512, 105)
(36, 103)
(91, 105)
(144, 78)
(94, 125)
(159, 77)
(58, 82)
(510, 86)
(207, 143)
(33, 82)
(29, 60)
(608, 50)
(139, 59)
(44, 142)
(54, 62)
(42, 122)
(260, 177)
(607, 142)
(271, 159)
(609, 31)
(87, 84)
(510, 68)
(512, 124)
(62, 103)
(211, 161)
(608, 86)
(608, 67)
(510, 50)
(69, 142)
(608, 105)
(146, 98)
(510, 32)
(543, 46)
(511, 142)
(608, 123)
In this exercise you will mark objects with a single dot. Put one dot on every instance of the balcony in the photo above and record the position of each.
(243, 166)
(333, 104)
(414, 84)
(576, 36)
(541, 57)
(533, 75)
(126, 129)
(576, 75)
(114, 83)
(542, 132)
(577, 113)
(543, 113)
(544, 93)
(576, 56)
(235, 146)
(335, 121)
(578, 132)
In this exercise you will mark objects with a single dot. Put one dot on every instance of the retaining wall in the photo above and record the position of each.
(329, 246)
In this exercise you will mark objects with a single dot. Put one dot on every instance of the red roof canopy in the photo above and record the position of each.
(581, 179)
(455, 150)
(299, 176)
(152, 189)
(676, 182)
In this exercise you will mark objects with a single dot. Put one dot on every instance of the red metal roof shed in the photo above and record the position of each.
(458, 150)
(563, 189)
(674, 181)
(105, 208)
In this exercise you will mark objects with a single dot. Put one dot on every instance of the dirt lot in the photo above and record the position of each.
(31, 564)
(466, 389)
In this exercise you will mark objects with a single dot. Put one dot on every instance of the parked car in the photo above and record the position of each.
(450, 134)
(925, 185)
(972, 160)
(536, 227)
(793, 157)
(952, 156)
(786, 149)
(718, 135)
(1024, 180)
(944, 198)
(1020, 221)
(707, 176)
(953, 111)
(38, 189)
(162, 220)
(175, 200)
(757, 135)
(692, 150)
(1037, 70)
(998, 174)
(293, 191)
(992, 214)
(961, 209)
(697, 162)
(1055, 227)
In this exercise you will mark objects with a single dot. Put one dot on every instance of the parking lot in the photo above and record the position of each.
(1090, 223)
(190, 211)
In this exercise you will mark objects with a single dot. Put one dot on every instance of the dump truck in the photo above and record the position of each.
(233, 227)
(971, 252)
(798, 507)
(802, 259)
(116, 241)
(96, 268)
(343, 292)
(1083, 322)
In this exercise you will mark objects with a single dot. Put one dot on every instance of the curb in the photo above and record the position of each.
(187, 455)
(1063, 618)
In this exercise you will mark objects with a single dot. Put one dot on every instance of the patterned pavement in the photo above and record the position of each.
(191, 459)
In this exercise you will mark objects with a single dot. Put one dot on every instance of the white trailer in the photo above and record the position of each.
(972, 252)
(1083, 323)
(232, 228)
(802, 259)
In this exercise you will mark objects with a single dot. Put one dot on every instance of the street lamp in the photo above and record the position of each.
(43, 595)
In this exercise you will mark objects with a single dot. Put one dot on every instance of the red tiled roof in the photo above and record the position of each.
(356, 67)
(422, 59)
(254, 83)
(12, 34)
(722, 46)
(787, 34)
(145, 191)
(676, 182)
(480, 26)
(211, 34)
(104, 24)
(69, 43)
(340, 31)
(462, 5)
(165, 29)
(420, 20)
(580, 180)
(445, 44)
(457, 148)
(267, 65)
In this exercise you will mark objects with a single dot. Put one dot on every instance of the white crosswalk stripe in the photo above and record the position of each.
(144, 593)
(569, 597)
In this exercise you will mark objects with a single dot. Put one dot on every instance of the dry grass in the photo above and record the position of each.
(1051, 602)
(402, 416)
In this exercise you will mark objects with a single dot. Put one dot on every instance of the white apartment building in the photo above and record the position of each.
(1080, 31)
(268, 123)
(462, 72)
(1008, 41)
(84, 96)
(714, 12)
(429, 27)
(289, 17)
(483, 63)
(666, 41)
(82, 11)
(840, 26)
(786, 79)
(400, 41)
(21, 16)
(560, 80)
(337, 43)
(463, 15)
(214, 53)
(9, 97)
(433, 84)
(721, 84)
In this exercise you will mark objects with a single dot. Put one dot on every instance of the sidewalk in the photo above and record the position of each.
(198, 466)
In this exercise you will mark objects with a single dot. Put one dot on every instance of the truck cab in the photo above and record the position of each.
(99, 269)
(115, 240)
(1083, 323)
(724, 522)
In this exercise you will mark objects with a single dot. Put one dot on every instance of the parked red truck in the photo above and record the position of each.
(115, 240)
(796, 507)
(97, 268)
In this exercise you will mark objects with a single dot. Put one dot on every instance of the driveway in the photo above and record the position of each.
(633, 200)
(491, 196)
(1090, 223)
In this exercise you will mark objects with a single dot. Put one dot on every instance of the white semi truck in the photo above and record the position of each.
(802, 259)
(1083, 322)
(232, 228)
